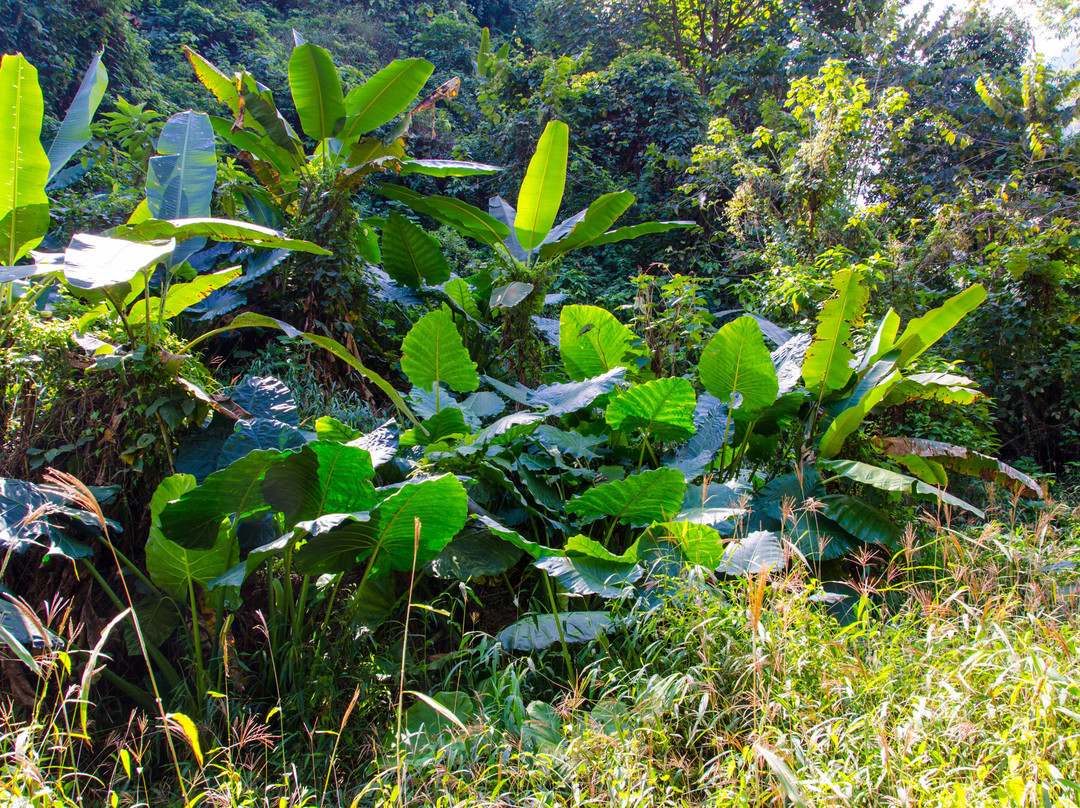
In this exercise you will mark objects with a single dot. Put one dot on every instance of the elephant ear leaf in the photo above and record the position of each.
(663, 408)
(542, 189)
(316, 90)
(827, 365)
(736, 360)
(24, 166)
(592, 341)
(389, 531)
(74, 132)
(638, 499)
(323, 477)
(433, 353)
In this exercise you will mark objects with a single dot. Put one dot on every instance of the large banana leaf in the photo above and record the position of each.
(181, 296)
(261, 147)
(95, 262)
(74, 132)
(259, 101)
(888, 480)
(827, 365)
(736, 360)
(173, 567)
(966, 461)
(923, 332)
(599, 216)
(465, 218)
(632, 231)
(948, 388)
(24, 166)
(504, 212)
(218, 229)
(316, 91)
(410, 256)
(592, 341)
(883, 340)
(639, 499)
(447, 168)
(389, 531)
(385, 95)
(662, 409)
(180, 179)
(433, 353)
(542, 189)
(225, 88)
(323, 477)
(867, 394)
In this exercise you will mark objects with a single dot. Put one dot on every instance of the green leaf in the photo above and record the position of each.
(181, 296)
(459, 291)
(862, 520)
(388, 534)
(584, 575)
(259, 101)
(542, 630)
(561, 399)
(180, 180)
(222, 86)
(316, 91)
(867, 395)
(599, 216)
(384, 96)
(592, 341)
(923, 332)
(758, 551)
(465, 218)
(260, 146)
(171, 566)
(24, 166)
(827, 365)
(534, 549)
(433, 353)
(509, 295)
(883, 340)
(701, 545)
(966, 461)
(542, 189)
(736, 360)
(639, 499)
(447, 168)
(329, 428)
(473, 555)
(410, 256)
(323, 477)
(948, 388)
(662, 408)
(218, 229)
(193, 521)
(95, 262)
(74, 132)
(888, 480)
(636, 231)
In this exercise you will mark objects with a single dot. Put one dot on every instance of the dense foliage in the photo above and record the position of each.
(616, 403)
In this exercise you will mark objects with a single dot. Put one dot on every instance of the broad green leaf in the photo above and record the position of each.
(218, 229)
(736, 360)
(94, 262)
(592, 341)
(447, 168)
(475, 554)
(410, 256)
(966, 461)
(180, 180)
(542, 189)
(817, 537)
(581, 545)
(483, 55)
(171, 566)
(316, 91)
(24, 166)
(385, 95)
(888, 480)
(862, 520)
(948, 388)
(883, 341)
(585, 575)
(193, 520)
(534, 549)
(633, 231)
(923, 332)
(827, 365)
(323, 477)
(459, 291)
(662, 409)
(701, 545)
(331, 429)
(561, 399)
(259, 101)
(465, 218)
(540, 631)
(261, 147)
(223, 87)
(433, 353)
(389, 533)
(509, 295)
(74, 132)
(599, 216)
(504, 212)
(759, 551)
(867, 395)
(639, 499)
(181, 296)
